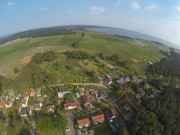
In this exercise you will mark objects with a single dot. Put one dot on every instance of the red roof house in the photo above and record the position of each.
(98, 118)
(70, 105)
(83, 122)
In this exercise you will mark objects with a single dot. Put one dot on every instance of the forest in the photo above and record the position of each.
(167, 67)
(160, 115)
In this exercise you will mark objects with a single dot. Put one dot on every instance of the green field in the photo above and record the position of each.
(15, 53)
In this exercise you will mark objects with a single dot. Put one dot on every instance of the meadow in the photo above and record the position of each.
(19, 53)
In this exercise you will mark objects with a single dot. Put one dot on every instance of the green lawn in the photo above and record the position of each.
(104, 129)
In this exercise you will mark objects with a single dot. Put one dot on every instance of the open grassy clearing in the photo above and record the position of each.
(19, 53)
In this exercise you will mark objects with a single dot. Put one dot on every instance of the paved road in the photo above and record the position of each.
(70, 117)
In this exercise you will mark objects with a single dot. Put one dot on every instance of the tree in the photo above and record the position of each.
(74, 44)
(16, 70)
(1, 88)
(48, 124)
(116, 57)
(123, 131)
(92, 73)
(69, 97)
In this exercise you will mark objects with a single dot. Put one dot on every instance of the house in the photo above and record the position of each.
(8, 104)
(110, 113)
(37, 106)
(70, 105)
(38, 92)
(127, 106)
(43, 89)
(126, 79)
(50, 108)
(138, 96)
(62, 94)
(11, 92)
(132, 78)
(32, 93)
(91, 91)
(141, 92)
(83, 122)
(107, 75)
(127, 116)
(24, 101)
(18, 96)
(98, 118)
(12, 98)
(102, 94)
(81, 91)
(87, 99)
(2, 103)
(78, 95)
(120, 80)
(25, 111)
(107, 81)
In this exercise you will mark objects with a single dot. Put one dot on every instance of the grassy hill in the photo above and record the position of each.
(19, 52)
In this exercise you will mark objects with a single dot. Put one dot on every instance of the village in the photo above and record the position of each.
(87, 108)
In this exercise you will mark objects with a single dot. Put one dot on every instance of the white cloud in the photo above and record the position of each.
(178, 8)
(42, 9)
(118, 3)
(10, 3)
(97, 10)
(151, 7)
(135, 5)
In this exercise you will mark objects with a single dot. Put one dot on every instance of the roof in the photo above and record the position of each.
(24, 100)
(8, 103)
(83, 121)
(11, 92)
(91, 91)
(102, 94)
(81, 89)
(25, 111)
(141, 92)
(62, 94)
(37, 105)
(70, 104)
(87, 99)
(78, 95)
(2, 103)
(32, 92)
(110, 112)
(12, 97)
(132, 78)
(98, 117)
(39, 92)
(50, 107)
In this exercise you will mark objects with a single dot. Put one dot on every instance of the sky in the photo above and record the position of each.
(160, 18)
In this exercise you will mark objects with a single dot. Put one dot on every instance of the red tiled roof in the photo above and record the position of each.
(71, 104)
(81, 89)
(98, 117)
(83, 121)
(2, 103)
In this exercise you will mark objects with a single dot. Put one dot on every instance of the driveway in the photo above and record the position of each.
(70, 117)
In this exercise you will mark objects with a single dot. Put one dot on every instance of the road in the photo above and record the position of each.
(86, 84)
(70, 117)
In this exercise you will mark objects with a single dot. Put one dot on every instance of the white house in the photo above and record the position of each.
(62, 94)
(25, 101)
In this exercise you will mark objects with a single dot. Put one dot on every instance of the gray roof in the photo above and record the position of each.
(39, 92)
(25, 111)
(102, 94)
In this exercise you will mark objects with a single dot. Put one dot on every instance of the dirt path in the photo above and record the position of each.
(86, 84)
(107, 64)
